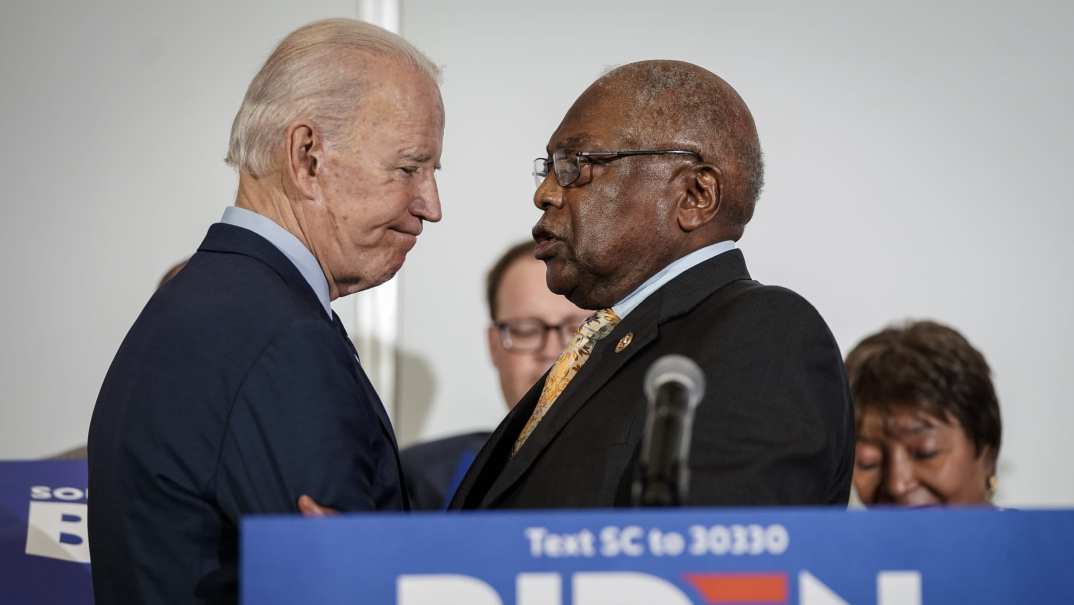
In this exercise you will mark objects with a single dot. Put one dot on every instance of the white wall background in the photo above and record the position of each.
(116, 117)
(918, 166)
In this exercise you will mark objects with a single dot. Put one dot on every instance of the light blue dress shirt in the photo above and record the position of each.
(668, 273)
(288, 244)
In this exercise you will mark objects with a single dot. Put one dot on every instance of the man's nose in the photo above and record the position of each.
(426, 205)
(899, 476)
(549, 193)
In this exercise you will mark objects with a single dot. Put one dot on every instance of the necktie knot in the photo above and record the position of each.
(599, 325)
(596, 327)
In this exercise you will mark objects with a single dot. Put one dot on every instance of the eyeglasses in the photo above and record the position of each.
(568, 166)
(531, 334)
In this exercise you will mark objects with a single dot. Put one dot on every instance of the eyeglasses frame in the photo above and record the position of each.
(566, 330)
(600, 157)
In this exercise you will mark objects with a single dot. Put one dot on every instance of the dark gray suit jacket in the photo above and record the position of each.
(775, 427)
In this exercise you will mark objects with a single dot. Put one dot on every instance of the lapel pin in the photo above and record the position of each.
(624, 342)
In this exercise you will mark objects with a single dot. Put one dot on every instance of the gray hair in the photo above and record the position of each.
(303, 77)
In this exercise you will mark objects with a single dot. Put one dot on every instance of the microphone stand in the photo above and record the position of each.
(663, 474)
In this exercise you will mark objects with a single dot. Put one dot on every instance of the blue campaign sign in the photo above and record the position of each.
(44, 552)
(801, 556)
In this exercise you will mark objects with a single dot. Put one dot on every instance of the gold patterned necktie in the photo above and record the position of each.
(599, 325)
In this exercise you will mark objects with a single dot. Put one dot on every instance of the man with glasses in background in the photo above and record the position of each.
(529, 328)
(648, 185)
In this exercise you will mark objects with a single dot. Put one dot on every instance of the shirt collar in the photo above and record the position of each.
(288, 244)
(668, 273)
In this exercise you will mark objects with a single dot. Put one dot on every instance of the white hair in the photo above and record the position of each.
(305, 77)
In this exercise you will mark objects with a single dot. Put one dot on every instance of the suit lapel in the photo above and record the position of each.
(378, 406)
(687, 291)
(385, 424)
(489, 461)
(675, 298)
(603, 363)
(366, 384)
(376, 403)
(230, 239)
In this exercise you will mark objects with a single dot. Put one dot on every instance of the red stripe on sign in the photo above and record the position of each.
(740, 587)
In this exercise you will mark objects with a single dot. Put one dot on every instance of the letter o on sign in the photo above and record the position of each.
(67, 493)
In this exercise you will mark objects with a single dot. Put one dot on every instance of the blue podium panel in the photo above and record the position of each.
(670, 557)
(44, 553)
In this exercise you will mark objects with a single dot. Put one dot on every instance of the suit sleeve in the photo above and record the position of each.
(302, 424)
(776, 425)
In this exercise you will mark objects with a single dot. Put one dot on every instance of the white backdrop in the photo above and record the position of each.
(116, 115)
(917, 166)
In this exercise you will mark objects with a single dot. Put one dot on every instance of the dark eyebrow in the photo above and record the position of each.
(917, 427)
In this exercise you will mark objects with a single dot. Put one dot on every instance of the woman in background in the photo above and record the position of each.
(928, 421)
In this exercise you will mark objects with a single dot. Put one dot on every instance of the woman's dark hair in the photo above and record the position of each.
(932, 367)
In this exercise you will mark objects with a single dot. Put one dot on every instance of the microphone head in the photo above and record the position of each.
(679, 369)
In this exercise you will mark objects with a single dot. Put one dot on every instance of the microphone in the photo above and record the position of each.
(674, 386)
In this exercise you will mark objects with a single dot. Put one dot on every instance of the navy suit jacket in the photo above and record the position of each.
(233, 394)
(433, 469)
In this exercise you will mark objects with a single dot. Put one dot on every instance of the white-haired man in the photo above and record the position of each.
(237, 390)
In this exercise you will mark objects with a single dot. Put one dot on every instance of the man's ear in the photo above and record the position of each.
(305, 157)
(701, 200)
(987, 459)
